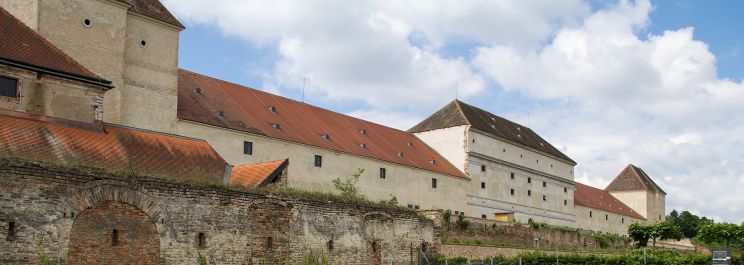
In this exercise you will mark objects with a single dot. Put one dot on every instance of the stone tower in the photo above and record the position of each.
(133, 43)
(636, 189)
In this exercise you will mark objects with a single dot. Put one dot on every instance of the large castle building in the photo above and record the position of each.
(99, 64)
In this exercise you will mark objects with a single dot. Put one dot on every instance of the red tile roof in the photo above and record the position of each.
(21, 46)
(458, 113)
(633, 178)
(65, 142)
(236, 107)
(153, 9)
(254, 175)
(591, 197)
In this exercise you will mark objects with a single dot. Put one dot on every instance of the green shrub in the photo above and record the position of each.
(462, 223)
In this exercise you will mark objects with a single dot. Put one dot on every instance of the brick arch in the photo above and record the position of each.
(114, 232)
(95, 192)
(270, 229)
(375, 226)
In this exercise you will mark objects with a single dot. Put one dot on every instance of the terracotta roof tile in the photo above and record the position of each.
(458, 113)
(21, 45)
(153, 9)
(201, 99)
(591, 197)
(253, 175)
(633, 178)
(65, 142)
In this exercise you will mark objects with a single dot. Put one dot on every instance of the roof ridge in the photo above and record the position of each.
(580, 185)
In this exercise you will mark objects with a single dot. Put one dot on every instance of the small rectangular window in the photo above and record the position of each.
(545, 184)
(545, 198)
(434, 183)
(483, 168)
(607, 217)
(416, 207)
(115, 237)
(11, 231)
(512, 192)
(269, 242)
(383, 171)
(590, 214)
(529, 180)
(565, 189)
(247, 148)
(457, 212)
(462, 213)
(565, 202)
(483, 185)
(202, 240)
(410, 206)
(318, 161)
(8, 87)
(512, 175)
(483, 216)
(622, 220)
(529, 193)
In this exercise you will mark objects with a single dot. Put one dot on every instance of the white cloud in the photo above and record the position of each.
(655, 102)
(385, 54)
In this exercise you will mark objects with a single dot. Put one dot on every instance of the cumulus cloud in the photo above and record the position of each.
(385, 54)
(621, 98)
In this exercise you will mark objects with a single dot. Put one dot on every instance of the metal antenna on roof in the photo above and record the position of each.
(304, 79)
(457, 87)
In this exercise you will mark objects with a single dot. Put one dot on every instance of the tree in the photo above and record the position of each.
(714, 232)
(639, 233)
(348, 187)
(665, 230)
(689, 223)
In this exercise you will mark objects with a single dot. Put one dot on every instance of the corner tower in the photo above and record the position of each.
(636, 189)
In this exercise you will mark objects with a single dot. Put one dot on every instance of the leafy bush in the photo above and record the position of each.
(661, 257)
(462, 223)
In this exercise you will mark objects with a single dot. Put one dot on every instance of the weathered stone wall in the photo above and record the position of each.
(74, 214)
(525, 236)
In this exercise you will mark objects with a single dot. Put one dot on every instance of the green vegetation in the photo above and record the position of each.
(715, 232)
(462, 223)
(348, 187)
(636, 257)
(663, 230)
(688, 222)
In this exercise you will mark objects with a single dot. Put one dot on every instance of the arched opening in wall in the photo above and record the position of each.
(270, 224)
(114, 233)
(375, 247)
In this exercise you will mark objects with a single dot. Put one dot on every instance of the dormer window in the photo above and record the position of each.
(272, 109)
(410, 144)
(197, 91)
(363, 146)
(220, 114)
(400, 154)
(519, 128)
(433, 162)
(276, 126)
(326, 137)
(363, 132)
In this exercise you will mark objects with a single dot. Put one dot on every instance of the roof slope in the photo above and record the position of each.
(153, 9)
(633, 178)
(592, 197)
(254, 175)
(458, 113)
(65, 142)
(22, 46)
(246, 109)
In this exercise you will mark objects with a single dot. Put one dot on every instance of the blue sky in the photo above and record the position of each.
(657, 84)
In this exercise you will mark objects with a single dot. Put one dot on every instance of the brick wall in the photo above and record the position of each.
(72, 212)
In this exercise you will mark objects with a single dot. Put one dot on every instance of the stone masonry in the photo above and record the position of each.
(95, 217)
